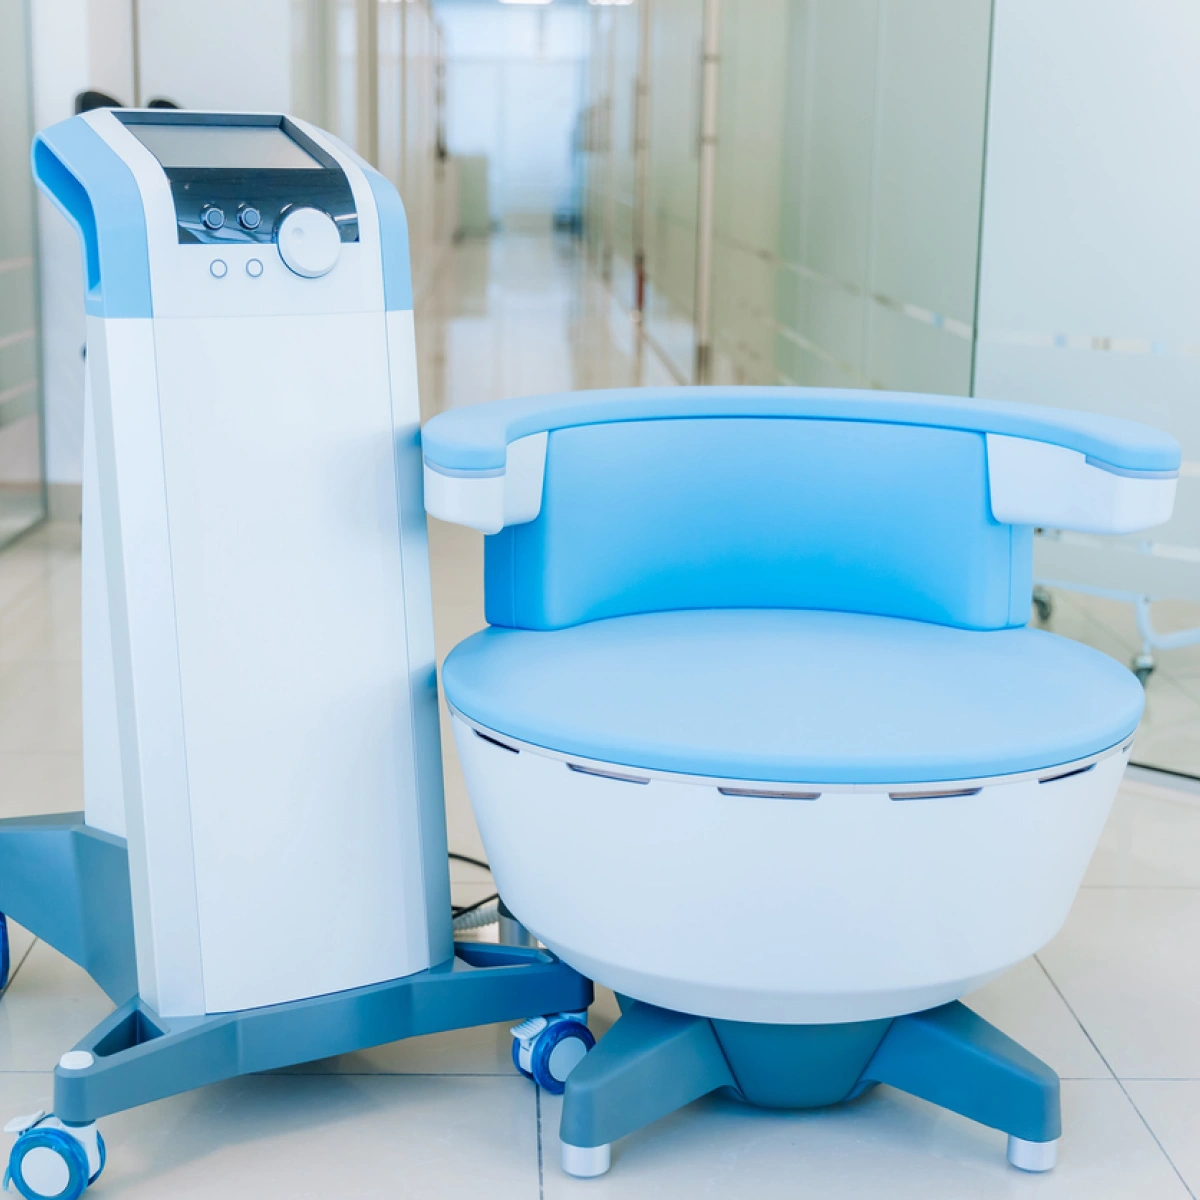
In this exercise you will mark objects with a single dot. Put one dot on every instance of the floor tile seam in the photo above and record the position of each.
(1086, 1078)
(40, 662)
(1158, 1078)
(15, 971)
(76, 753)
(1124, 1090)
(541, 1174)
(22, 595)
(1139, 887)
(1085, 611)
(1177, 680)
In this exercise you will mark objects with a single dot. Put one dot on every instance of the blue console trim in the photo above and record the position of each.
(475, 438)
(97, 193)
(393, 239)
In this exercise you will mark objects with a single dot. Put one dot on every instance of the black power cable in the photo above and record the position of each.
(466, 858)
(470, 908)
(459, 910)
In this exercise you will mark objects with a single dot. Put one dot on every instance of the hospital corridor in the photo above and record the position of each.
(599, 598)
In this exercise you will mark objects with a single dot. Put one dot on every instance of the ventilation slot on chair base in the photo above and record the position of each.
(761, 794)
(607, 774)
(1067, 774)
(934, 795)
(483, 737)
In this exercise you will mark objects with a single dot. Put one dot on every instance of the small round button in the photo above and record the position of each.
(254, 268)
(218, 268)
(249, 217)
(213, 217)
(309, 242)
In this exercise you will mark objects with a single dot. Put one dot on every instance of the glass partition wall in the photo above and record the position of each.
(672, 202)
(369, 71)
(608, 142)
(850, 151)
(22, 484)
(972, 197)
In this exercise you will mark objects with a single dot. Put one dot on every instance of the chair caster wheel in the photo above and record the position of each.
(547, 1049)
(586, 1162)
(5, 954)
(49, 1161)
(1032, 1156)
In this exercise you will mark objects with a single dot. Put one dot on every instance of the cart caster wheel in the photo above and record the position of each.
(1043, 604)
(5, 956)
(548, 1049)
(519, 1048)
(49, 1162)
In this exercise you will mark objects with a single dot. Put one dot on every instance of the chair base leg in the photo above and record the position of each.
(654, 1061)
(586, 1162)
(649, 1064)
(1033, 1156)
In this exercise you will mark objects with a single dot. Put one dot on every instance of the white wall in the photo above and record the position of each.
(234, 54)
(514, 90)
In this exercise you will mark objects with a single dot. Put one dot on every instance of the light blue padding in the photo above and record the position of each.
(797, 697)
(97, 192)
(474, 438)
(752, 513)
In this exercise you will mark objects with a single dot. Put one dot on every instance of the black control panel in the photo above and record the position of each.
(235, 177)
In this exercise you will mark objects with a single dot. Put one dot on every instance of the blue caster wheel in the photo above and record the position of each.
(48, 1162)
(548, 1049)
(516, 1057)
(5, 959)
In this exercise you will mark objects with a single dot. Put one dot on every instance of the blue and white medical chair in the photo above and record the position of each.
(758, 737)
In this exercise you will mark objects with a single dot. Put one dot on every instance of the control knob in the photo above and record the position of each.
(309, 242)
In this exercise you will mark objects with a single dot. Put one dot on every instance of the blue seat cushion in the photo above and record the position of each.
(799, 696)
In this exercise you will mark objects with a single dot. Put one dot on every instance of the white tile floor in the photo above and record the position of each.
(1113, 1003)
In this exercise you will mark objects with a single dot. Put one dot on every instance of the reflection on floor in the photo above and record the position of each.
(1110, 1003)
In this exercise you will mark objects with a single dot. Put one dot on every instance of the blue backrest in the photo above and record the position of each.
(764, 512)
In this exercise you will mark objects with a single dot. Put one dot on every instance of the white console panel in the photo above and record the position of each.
(281, 490)
(253, 547)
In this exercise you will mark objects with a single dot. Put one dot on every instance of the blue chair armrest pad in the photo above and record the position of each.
(475, 438)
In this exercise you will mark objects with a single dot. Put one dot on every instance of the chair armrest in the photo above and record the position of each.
(489, 498)
(484, 464)
(1036, 483)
